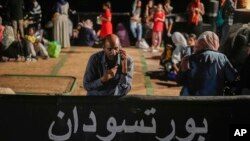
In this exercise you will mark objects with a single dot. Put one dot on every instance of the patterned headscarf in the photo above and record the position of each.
(8, 37)
(207, 40)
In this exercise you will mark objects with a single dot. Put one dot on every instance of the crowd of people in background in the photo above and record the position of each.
(185, 57)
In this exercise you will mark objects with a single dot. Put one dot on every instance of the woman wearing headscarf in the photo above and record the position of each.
(195, 11)
(61, 24)
(13, 47)
(204, 73)
(180, 46)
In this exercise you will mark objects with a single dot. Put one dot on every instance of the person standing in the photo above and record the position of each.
(109, 72)
(205, 72)
(135, 21)
(195, 11)
(34, 17)
(224, 19)
(106, 18)
(61, 24)
(148, 21)
(169, 20)
(159, 19)
(16, 8)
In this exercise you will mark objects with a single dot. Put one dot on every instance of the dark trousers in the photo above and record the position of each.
(195, 29)
(223, 32)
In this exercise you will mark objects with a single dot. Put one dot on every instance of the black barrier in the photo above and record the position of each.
(131, 118)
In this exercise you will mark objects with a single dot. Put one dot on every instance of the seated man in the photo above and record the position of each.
(87, 35)
(109, 72)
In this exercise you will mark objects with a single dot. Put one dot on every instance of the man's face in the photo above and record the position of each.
(111, 48)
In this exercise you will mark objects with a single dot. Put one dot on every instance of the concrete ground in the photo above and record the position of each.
(148, 78)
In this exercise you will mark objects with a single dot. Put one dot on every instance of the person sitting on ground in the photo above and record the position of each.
(205, 72)
(12, 48)
(74, 38)
(87, 35)
(8, 39)
(35, 45)
(180, 46)
(166, 56)
(109, 72)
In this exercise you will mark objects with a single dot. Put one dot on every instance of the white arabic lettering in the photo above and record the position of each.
(90, 128)
(60, 137)
(192, 129)
(75, 115)
(171, 135)
(137, 127)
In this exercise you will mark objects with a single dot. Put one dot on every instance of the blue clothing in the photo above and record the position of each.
(97, 66)
(135, 25)
(227, 12)
(136, 29)
(87, 37)
(207, 74)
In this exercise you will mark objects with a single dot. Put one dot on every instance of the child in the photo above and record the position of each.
(191, 40)
(166, 56)
(159, 18)
(35, 45)
(169, 21)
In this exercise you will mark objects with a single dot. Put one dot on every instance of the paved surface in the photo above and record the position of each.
(148, 79)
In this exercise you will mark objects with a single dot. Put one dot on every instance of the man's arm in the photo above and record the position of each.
(124, 85)
(91, 80)
(230, 72)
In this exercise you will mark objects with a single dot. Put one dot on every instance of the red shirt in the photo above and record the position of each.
(1, 32)
(106, 28)
(158, 25)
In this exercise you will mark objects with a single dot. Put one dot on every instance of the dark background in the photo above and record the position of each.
(48, 6)
(28, 118)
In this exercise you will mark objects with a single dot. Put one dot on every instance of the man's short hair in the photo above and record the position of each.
(112, 39)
